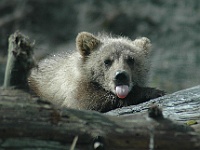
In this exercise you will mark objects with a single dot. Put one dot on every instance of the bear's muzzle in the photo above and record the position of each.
(122, 83)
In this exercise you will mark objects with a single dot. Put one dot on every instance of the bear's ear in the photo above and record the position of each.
(144, 44)
(86, 43)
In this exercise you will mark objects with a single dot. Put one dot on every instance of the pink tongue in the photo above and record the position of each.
(122, 91)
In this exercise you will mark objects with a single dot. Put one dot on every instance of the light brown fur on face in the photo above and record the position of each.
(119, 51)
(101, 75)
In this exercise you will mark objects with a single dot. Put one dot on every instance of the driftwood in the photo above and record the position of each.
(26, 122)
(182, 107)
(19, 62)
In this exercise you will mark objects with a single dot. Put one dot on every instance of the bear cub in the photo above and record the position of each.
(104, 73)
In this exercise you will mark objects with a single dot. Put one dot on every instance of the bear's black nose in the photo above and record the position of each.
(121, 78)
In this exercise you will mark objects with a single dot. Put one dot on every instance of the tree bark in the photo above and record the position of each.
(19, 62)
(26, 122)
(182, 107)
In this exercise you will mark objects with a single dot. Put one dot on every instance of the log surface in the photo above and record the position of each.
(181, 106)
(26, 122)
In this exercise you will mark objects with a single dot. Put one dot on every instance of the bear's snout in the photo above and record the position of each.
(121, 78)
(122, 85)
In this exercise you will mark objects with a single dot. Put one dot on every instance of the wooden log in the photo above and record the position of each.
(26, 122)
(182, 106)
(19, 62)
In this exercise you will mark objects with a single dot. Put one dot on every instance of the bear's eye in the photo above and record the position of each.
(130, 60)
(108, 62)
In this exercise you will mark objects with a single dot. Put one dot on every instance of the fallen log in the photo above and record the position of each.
(182, 106)
(27, 122)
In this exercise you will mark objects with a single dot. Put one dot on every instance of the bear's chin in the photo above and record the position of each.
(122, 91)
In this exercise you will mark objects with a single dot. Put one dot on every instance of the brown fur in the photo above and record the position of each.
(85, 79)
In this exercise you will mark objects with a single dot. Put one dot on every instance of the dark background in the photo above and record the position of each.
(173, 27)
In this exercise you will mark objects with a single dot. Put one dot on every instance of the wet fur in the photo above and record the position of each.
(81, 80)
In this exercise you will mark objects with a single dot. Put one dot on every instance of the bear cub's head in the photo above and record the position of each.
(114, 63)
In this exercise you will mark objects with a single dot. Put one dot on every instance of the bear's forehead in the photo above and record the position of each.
(118, 49)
